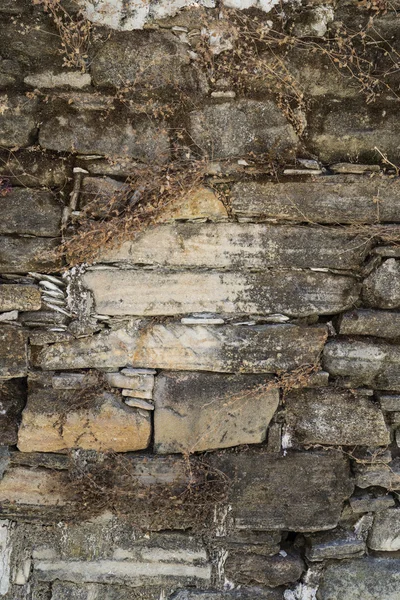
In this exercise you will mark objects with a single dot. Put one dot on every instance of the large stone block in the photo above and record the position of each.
(54, 421)
(12, 401)
(30, 212)
(363, 579)
(302, 491)
(242, 246)
(13, 352)
(385, 533)
(381, 289)
(255, 569)
(151, 293)
(203, 411)
(379, 475)
(19, 297)
(23, 254)
(359, 363)
(18, 120)
(230, 130)
(34, 168)
(377, 323)
(33, 487)
(94, 133)
(334, 417)
(334, 199)
(241, 593)
(172, 346)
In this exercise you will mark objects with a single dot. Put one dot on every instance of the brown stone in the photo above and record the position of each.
(32, 486)
(30, 212)
(19, 297)
(254, 569)
(23, 254)
(12, 401)
(200, 203)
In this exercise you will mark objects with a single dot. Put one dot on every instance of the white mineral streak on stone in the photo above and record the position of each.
(200, 321)
(48, 79)
(5, 555)
(12, 315)
(286, 440)
(21, 576)
(220, 519)
(306, 590)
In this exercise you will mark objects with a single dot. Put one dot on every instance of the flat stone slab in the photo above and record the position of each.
(30, 212)
(140, 385)
(368, 578)
(302, 491)
(255, 569)
(54, 421)
(33, 168)
(151, 293)
(19, 297)
(173, 346)
(23, 254)
(332, 416)
(385, 533)
(333, 199)
(376, 323)
(336, 544)
(379, 475)
(12, 401)
(358, 363)
(203, 411)
(242, 246)
(13, 352)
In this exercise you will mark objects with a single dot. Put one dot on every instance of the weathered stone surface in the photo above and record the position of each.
(359, 363)
(50, 79)
(98, 194)
(149, 293)
(12, 401)
(18, 120)
(366, 579)
(64, 590)
(241, 245)
(55, 421)
(200, 203)
(32, 212)
(382, 287)
(385, 532)
(377, 323)
(203, 411)
(334, 199)
(335, 544)
(236, 129)
(156, 62)
(379, 474)
(23, 254)
(362, 504)
(254, 569)
(13, 352)
(173, 346)
(19, 297)
(237, 594)
(302, 491)
(338, 132)
(140, 385)
(334, 417)
(123, 135)
(32, 487)
(34, 168)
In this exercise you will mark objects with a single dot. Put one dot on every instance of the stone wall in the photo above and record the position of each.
(208, 409)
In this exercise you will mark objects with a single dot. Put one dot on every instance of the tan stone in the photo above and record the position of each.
(36, 487)
(141, 385)
(200, 203)
(104, 424)
(204, 411)
(19, 297)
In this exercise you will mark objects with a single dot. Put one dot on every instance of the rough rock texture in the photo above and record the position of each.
(231, 130)
(30, 212)
(18, 120)
(382, 288)
(253, 569)
(335, 544)
(385, 532)
(169, 293)
(33, 169)
(334, 417)
(12, 401)
(202, 411)
(22, 254)
(376, 323)
(13, 352)
(19, 297)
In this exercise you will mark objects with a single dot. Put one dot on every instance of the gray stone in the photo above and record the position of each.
(358, 363)
(366, 579)
(97, 133)
(236, 129)
(64, 590)
(150, 293)
(255, 569)
(241, 246)
(19, 297)
(98, 194)
(30, 212)
(18, 121)
(385, 533)
(381, 289)
(334, 544)
(13, 352)
(339, 133)
(140, 386)
(378, 474)
(174, 346)
(153, 62)
(31, 168)
(332, 416)
(377, 323)
(302, 491)
(367, 503)
(12, 401)
(204, 411)
(242, 593)
(51, 79)
(333, 199)
(23, 254)
(389, 403)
